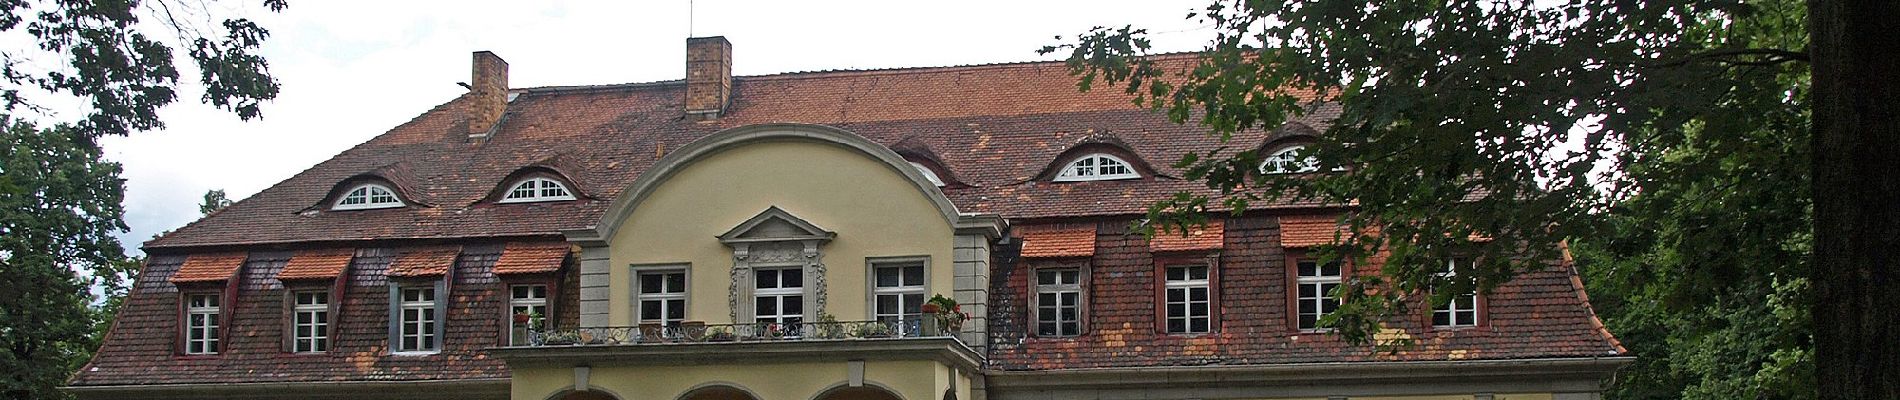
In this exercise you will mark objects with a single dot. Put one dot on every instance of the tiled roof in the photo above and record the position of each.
(141, 348)
(993, 127)
(532, 258)
(1310, 230)
(1538, 315)
(317, 264)
(432, 261)
(214, 267)
(1060, 240)
(1206, 237)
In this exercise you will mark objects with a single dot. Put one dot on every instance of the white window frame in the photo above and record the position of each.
(1451, 309)
(1187, 286)
(664, 297)
(780, 295)
(1322, 296)
(538, 189)
(318, 339)
(1091, 168)
(427, 330)
(202, 325)
(928, 173)
(535, 302)
(368, 198)
(1278, 162)
(906, 311)
(1051, 314)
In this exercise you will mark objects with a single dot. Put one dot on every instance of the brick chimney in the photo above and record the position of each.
(708, 77)
(488, 94)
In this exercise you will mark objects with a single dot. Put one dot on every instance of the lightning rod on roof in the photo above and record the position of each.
(689, 18)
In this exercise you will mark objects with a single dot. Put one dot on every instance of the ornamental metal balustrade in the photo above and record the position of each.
(719, 333)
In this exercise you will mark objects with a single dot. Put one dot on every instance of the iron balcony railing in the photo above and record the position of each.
(716, 333)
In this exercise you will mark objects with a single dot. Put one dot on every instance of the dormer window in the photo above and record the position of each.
(928, 174)
(537, 189)
(1288, 160)
(1097, 167)
(368, 196)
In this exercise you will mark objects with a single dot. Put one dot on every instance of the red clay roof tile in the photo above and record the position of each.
(317, 264)
(1207, 237)
(432, 261)
(1063, 240)
(213, 267)
(1309, 230)
(532, 258)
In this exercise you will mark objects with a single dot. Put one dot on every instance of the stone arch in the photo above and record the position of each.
(590, 394)
(718, 391)
(869, 391)
(651, 179)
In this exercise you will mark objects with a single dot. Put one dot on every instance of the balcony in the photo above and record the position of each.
(691, 332)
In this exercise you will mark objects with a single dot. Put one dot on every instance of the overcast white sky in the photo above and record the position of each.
(352, 69)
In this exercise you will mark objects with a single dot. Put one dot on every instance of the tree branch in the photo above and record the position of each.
(1730, 56)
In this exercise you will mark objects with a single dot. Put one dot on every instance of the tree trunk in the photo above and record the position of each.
(1856, 61)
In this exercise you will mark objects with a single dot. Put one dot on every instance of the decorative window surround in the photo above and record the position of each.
(537, 189)
(310, 321)
(368, 196)
(898, 287)
(775, 239)
(1060, 300)
(1097, 167)
(1461, 311)
(661, 294)
(203, 321)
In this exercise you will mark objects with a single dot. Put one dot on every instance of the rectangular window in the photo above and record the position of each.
(778, 296)
(1315, 286)
(1058, 302)
(418, 320)
(310, 322)
(529, 300)
(201, 324)
(662, 297)
(1188, 306)
(898, 290)
(1462, 310)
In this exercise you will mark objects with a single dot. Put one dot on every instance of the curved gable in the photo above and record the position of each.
(653, 178)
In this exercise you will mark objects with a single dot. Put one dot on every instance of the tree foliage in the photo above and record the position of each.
(59, 198)
(214, 201)
(1669, 136)
(59, 205)
(108, 54)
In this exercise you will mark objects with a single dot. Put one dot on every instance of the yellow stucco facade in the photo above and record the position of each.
(875, 210)
(909, 380)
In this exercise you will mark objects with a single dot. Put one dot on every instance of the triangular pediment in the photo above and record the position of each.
(775, 224)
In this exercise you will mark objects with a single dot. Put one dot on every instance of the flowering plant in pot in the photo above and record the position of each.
(948, 315)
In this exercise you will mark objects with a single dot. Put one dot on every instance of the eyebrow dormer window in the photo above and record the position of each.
(928, 174)
(537, 189)
(1288, 161)
(368, 196)
(1097, 167)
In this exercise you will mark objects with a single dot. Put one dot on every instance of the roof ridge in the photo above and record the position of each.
(822, 73)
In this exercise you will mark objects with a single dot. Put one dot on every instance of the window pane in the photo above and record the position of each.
(1177, 325)
(1176, 296)
(1197, 309)
(1198, 325)
(765, 278)
(1309, 268)
(1046, 329)
(1069, 298)
(913, 303)
(1046, 277)
(676, 282)
(1330, 269)
(675, 309)
(793, 278)
(914, 275)
(794, 305)
(1046, 314)
(1197, 294)
(650, 310)
(766, 306)
(651, 283)
(1441, 318)
(887, 305)
(887, 277)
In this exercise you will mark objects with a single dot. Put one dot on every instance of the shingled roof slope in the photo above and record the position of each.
(996, 128)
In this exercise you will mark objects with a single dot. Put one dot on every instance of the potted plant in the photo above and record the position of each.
(719, 334)
(943, 315)
(873, 329)
(827, 327)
